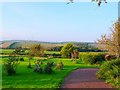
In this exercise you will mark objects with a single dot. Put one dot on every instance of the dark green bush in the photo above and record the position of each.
(48, 68)
(55, 55)
(21, 59)
(92, 58)
(110, 71)
(37, 67)
(10, 65)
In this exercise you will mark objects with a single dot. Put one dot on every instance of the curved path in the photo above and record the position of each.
(84, 78)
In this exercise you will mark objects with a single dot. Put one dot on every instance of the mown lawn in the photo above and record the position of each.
(26, 78)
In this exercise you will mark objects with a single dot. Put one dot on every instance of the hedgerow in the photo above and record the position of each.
(110, 71)
(92, 58)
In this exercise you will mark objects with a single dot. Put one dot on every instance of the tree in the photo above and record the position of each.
(37, 50)
(13, 60)
(10, 65)
(66, 50)
(75, 54)
(19, 51)
(98, 1)
(112, 42)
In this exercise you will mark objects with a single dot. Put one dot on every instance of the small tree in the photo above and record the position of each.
(59, 66)
(19, 51)
(11, 64)
(66, 50)
(48, 67)
(75, 54)
(37, 50)
(37, 67)
(112, 42)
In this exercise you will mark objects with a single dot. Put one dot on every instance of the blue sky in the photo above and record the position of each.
(57, 21)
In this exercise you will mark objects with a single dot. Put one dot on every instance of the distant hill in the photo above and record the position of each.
(28, 43)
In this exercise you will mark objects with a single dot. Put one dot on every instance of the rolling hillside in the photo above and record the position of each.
(11, 44)
(26, 44)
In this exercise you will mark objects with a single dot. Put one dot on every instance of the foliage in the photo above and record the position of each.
(36, 50)
(55, 55)
(29, 61)
(66, 50)
(37, 67)
(112, 42)
(74, 54)
(13, 60)
(10, 65)
(109, 57)
(48, 68)
(19, 51)
(55, 48)
(98, 1)
(110, 71)
(75, 61)
(21, 59)
(59, 66)
(28, 79)
(87, 47)
(92, 58)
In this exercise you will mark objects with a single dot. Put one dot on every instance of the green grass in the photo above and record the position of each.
(52, 52)
(9, 51)
(6, 51)
(26, 78)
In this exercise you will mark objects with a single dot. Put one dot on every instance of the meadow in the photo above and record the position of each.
(26, 78)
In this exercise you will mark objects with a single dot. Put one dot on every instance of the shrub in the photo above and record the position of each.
(59, 66)
(21, 59)
(10, 65)
(50, 57)
(110, 71)
(92, 58)
(40, 61)
(37, 67)
(48, 68)
(75, 62)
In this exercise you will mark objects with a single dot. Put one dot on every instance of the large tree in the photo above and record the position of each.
(67, 50)
(111, 42)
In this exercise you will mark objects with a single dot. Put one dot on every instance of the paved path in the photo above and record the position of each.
(84, 78)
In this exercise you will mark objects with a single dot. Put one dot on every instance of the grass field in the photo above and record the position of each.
(6, 51)
(26, 78)
(9, 51)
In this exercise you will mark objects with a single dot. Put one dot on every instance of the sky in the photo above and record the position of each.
(57, 21)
